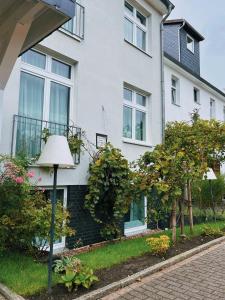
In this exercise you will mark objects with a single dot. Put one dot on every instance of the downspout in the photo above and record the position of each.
(162, 73)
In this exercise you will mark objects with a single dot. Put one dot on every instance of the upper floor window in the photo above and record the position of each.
(196, 94)
(75, 26)
(175, 97)
(212, 109)
(135, 27)
(190, 43)
(134, 115)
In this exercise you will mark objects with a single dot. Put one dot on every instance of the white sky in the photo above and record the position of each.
(207, 17)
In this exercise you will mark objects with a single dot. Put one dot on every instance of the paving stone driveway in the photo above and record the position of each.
(1, 297)
(200, 277)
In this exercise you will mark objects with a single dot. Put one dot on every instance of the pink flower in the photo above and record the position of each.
(19, 180)
(43, 190)
(39, 179)
(30, 174)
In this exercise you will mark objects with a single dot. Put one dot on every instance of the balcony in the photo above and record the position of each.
(29, 136)
(75, 26)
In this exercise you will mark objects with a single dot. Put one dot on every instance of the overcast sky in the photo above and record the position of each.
(208, 17)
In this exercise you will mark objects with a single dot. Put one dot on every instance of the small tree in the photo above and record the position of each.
(109, 187)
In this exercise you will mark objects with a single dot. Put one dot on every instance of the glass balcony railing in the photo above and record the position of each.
(75, 26)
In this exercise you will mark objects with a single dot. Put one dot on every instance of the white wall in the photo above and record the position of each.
(103, 61)
(187, 82)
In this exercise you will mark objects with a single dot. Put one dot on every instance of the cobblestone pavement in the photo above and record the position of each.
(199, 277)
(1, 297)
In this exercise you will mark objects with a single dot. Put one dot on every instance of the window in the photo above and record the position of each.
(134, 115)
(196, 93)
(175, 97)
(45, 88)
(212, 109)
(190, 43)
(135, 27)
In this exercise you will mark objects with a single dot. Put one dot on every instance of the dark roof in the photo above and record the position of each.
(168, 3)
(187, 26)
(194, 74)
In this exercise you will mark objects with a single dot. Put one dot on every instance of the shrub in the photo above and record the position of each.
(208, 230)
(159, 245)
(25, 213)
(74, 273)
(108, 188)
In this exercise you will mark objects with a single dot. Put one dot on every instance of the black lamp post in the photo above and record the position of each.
(56, 154)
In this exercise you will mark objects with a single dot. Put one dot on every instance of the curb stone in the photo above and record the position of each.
(8, 294)
(97, 294)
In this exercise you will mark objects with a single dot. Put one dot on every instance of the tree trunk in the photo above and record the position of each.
(190, 206)
(174, 221)
(181, 208)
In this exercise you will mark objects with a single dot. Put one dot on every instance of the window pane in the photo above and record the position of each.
(136, 215)
(34, 58)
(128, 28)
(127, 94)
(140, 100)
(29, 128)
(141, 18)
(140, 125)
(128, 8)
(141, 39)
(127, 122)
(190, 43)
(174, 82)
(173, 96)
(69, 25)
(61, 68)
(59, 108)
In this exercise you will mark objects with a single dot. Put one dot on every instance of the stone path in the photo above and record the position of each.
(199, 277)
(1, 297)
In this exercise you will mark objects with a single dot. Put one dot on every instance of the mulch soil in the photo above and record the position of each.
(121, 271)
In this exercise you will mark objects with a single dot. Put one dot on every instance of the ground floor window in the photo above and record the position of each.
(136, 218)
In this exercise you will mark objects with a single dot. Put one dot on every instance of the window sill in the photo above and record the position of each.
(138, 143)
(73, 36)
(146, 53)
(198, 103)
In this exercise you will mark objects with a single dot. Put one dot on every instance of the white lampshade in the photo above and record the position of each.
(56, 152)
(210, 175)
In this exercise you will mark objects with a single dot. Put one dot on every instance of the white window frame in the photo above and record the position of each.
(49, 77)
(212, 109)
(134, 106)
(138, 229)
(59, 246)
(136, 24)
(176, 89)
(192, 48)
(198, 95)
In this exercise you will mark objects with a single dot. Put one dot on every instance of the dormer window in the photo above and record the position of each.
(190, 43)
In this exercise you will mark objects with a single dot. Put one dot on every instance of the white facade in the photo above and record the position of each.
(186, 101)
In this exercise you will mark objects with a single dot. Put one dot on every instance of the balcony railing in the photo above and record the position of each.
(28, 135)
(75, 26)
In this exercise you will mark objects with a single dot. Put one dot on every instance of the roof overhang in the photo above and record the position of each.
(162, 6)
(24, 23)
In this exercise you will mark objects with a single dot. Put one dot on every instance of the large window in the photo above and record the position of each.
(134, 115)
(45, 88)
(135, 27)
(175, 95)
(212, 109)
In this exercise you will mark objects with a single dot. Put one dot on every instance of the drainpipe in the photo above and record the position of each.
(171, 7)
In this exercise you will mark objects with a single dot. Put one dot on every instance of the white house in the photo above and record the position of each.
(185, 89)
(100, 73)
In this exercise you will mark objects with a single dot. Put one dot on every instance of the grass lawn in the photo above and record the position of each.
(26, 277)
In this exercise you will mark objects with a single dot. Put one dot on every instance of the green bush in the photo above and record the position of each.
(108, 188)
(25, 213)
(74, 273)
(208, 230)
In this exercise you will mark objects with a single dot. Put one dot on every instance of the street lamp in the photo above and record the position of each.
(56, 154)
(210, 175)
